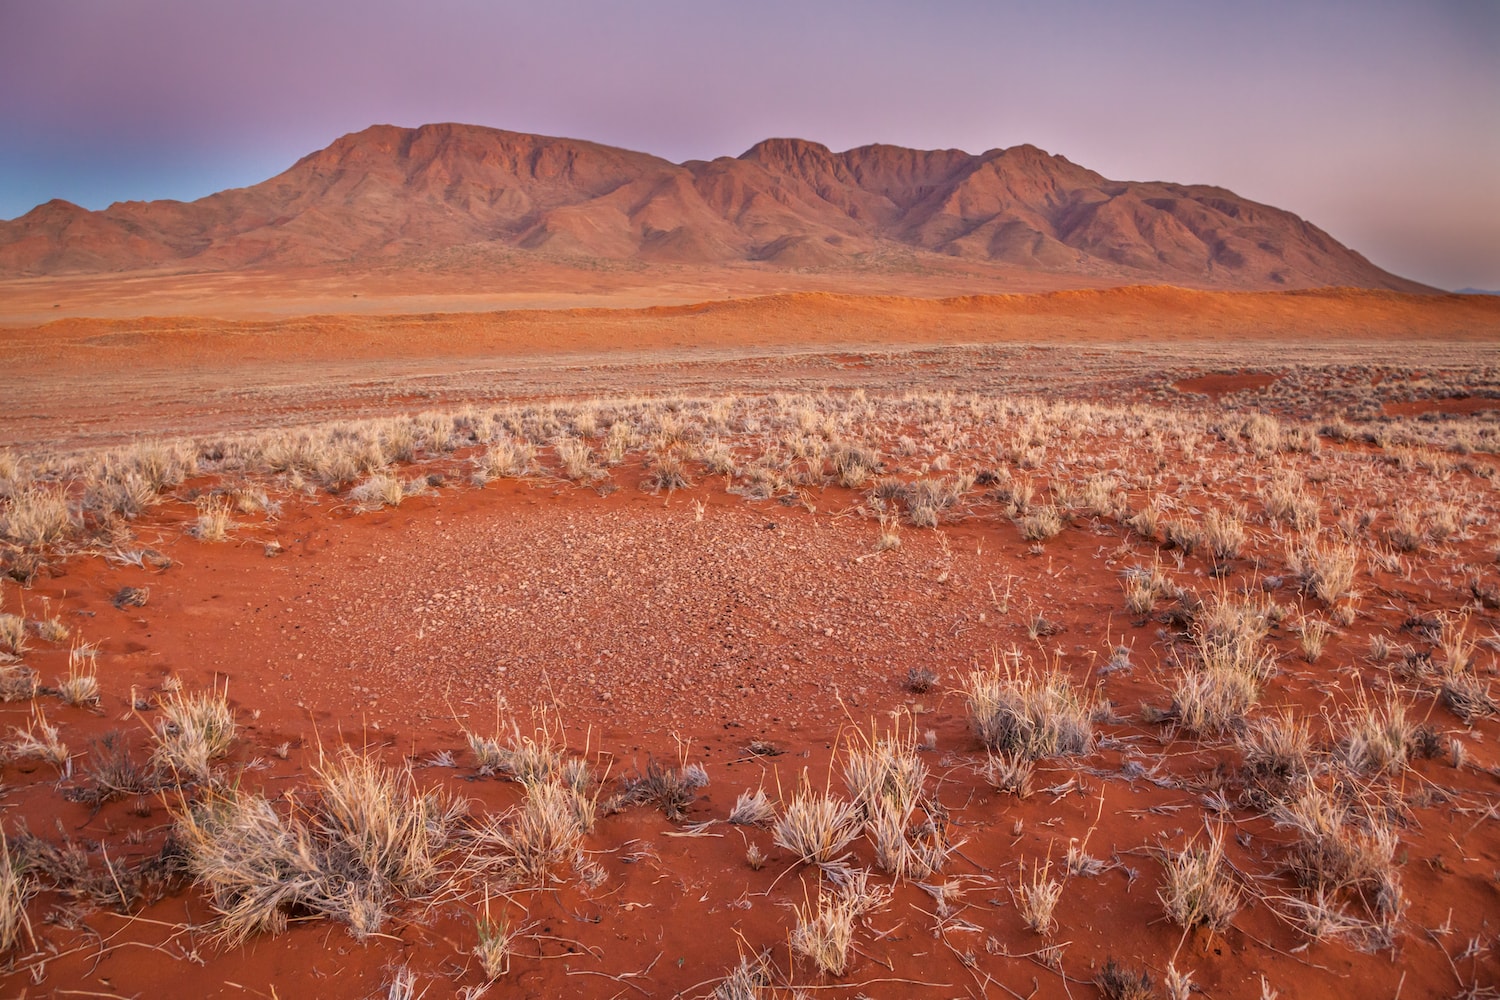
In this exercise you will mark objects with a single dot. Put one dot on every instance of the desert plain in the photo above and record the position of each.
(739, 632)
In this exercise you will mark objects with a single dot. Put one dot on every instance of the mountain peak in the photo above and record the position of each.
(391, 195)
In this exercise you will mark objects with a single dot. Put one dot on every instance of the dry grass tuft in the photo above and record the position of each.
(213, 521)
(379, 490)
(527, 759)
(545, 831)
(825, 928)
(366, 839)
(1198, 889)
(80, 688)
(40, 740)
(1116, 982)
(750, 980)
(496, 941)
(671, 789)
(1459, 687)
(1037, 897)
(752, 809)
(504, 459)
(816, 827)
(1341, 848)
(1277, 753)
(1379, 738)
(36, 517)
(194, 731)
(1009, 773)
(18, 682)
(15, 889)
(1022, 712)
(881, 769)
(1041, 523)
(1326, 569)
(13, 633)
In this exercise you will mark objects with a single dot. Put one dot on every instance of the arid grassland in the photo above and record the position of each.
(1021, 671)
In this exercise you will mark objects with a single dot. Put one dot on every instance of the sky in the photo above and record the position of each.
(1377, 120)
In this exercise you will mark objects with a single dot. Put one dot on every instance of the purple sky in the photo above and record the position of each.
(1377, 120)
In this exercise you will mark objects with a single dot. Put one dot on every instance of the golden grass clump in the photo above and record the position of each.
(195, 730)
(18, 682)
(80, 688)
(1326, 569)
(527, 759)
(36, 517)
(750, 980)
(1342, 850)
(213, 521)
(496, 942)
(1198, 889)
(543, 832)
(824, 931)
(1028, 713)
(752, 809)
(42, 741)
(1036, 897)
(365, 839)
(508, 459)
(13, 633)
(380, 490)
(15, 889)
(816, 827)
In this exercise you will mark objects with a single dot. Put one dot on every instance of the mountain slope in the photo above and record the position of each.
(390, 196)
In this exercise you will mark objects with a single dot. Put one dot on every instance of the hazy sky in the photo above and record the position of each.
(1377, 120)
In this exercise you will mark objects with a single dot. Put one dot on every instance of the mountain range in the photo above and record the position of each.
(454, 195)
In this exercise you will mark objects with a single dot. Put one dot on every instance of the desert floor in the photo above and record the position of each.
(766, 541)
